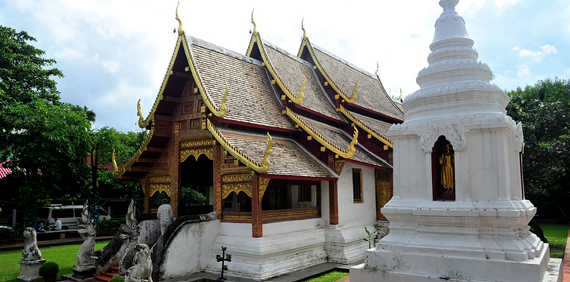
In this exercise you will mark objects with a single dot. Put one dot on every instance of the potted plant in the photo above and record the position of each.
(49, 271)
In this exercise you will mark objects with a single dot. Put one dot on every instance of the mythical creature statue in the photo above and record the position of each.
(141, 270)
(129, 233)
(31, 251)
(86, 262)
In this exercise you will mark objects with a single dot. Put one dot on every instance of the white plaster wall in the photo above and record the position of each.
(235, 229)
(276, 228)
(356, 214)
(190, 250)
(149, 231)
(409, 172)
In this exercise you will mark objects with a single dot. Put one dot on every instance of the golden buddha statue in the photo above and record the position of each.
(446, 160)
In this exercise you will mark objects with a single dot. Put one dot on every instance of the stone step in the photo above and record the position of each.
(103, 277)
(113, 269)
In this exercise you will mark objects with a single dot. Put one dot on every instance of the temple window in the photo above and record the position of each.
(443, 170)
(305, 193)
(357, 185)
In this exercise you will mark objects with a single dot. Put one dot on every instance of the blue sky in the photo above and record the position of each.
(114, 52)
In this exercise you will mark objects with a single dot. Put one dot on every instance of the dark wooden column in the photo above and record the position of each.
(256, 212)
(217, 158)
(333, 195)
(175, 169)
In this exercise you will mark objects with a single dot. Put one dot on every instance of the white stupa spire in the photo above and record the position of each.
(455, 82)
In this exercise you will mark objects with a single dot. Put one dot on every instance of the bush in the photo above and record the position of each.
(49, 269)
(117, 279)
(10, 234)
(110, 225)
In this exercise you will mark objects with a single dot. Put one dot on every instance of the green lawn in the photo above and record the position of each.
(64, 256)
(556, 235)
(329, 277)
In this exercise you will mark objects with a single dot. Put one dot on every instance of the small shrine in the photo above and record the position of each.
(458, 212)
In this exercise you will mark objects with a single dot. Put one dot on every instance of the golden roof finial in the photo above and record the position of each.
(351, 150)
(377, 68)
(224, 100)
(115, 168)
(253, 22)
(352, 97)
(180, 29)
(140, 115)
(303, 28)
(265, 164)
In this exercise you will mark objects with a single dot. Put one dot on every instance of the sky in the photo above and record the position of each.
(114, 52)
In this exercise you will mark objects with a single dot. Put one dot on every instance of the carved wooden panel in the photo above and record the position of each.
(163, 127)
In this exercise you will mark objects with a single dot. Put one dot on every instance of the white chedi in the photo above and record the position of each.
(481, 232)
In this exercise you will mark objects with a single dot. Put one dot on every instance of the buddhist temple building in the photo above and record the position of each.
(282, 147)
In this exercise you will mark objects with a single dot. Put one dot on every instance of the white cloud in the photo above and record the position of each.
(523, 70)
(549, 49)
(536, 56)
(505, 3)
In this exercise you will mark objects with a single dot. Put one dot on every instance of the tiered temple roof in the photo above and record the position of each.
(299, 108)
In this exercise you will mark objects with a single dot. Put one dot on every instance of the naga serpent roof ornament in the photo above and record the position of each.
(180, 29)
(303, 28)
(253, 22)
(351, 150)
(222, 111)
(301, 96)
(142, 123)
(352, 97)
(115, 167)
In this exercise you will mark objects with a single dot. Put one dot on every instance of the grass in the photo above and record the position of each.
(556, 235)
(329, 277)
(64, 256)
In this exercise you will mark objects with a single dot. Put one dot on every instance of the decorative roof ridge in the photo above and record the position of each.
(135, 157)
(144, 122)
(336, 57)
(284, 52)
(307, 43)
(222, 50)
(255, 166)
(217, 111)
(347, 154)
(366, 128)
(256, 38)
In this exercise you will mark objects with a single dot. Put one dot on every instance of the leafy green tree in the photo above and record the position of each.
(544, 110)
(44, 138)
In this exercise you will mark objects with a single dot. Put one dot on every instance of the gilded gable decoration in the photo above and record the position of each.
(166, 188)
(338, 166)
(208, 152)
(227, 189)
(254, 25)
(263, 182)
(180, 29)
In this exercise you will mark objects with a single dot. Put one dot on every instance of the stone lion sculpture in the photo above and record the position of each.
(31, 251)
(141, 271)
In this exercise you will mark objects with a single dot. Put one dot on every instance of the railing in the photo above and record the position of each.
(272, 215)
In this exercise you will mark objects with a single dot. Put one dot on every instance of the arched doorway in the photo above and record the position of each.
(443, 170)
(196, 186)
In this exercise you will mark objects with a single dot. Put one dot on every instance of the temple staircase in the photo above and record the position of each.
(106, 276)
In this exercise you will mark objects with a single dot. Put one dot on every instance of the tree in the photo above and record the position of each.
(544, 110)
(45, 139)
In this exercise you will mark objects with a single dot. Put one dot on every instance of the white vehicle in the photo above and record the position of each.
(69, 215)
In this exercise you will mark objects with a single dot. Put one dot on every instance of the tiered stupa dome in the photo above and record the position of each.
(454, 82)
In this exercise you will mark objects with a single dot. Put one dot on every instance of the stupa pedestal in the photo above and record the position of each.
(458, 212)
(29, 270)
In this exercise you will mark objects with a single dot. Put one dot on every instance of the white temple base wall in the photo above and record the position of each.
(384, 265)
(273, 254)
(190, 250)
(346, 245)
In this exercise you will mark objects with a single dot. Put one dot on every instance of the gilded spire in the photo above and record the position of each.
(253, 22)
(303, 28)
(115, 167)
(180, 28)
